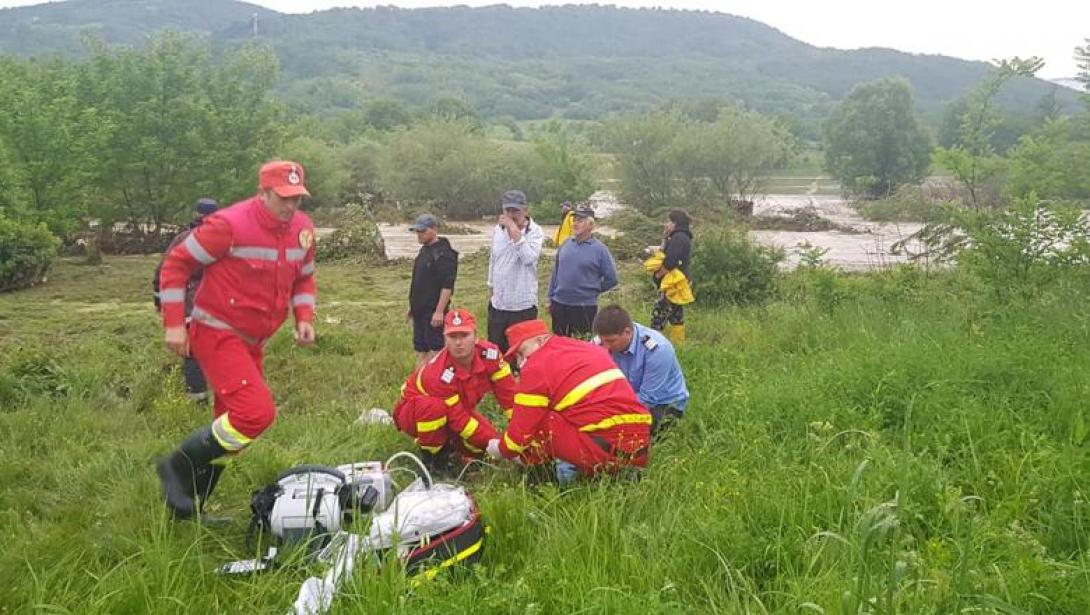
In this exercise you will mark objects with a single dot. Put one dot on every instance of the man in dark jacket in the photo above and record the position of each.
(678, 246)
(195, 385)
(434, 271)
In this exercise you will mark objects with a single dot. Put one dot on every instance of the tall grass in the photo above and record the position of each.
(890, 443)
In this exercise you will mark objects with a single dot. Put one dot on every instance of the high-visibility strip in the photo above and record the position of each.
(428, 426)
(453, 399)
(584, 388)
(431, 573)
(470, 429)
(430, 449)
(295, 254)
(508, 412)
(420, 381)
(532, 401)
(620, 419)
(502, 372)
(229, 437)
(302, 299)
(471, 448)
(255, 253)
(172, 295)
(512, 445)
(308, 269)
(197, 250)
(204, 317)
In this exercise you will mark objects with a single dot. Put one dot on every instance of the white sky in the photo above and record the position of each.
(970, 29)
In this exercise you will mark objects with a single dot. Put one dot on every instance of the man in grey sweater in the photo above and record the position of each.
(583, 270)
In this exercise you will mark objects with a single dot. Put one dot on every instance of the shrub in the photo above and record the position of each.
(26, 252)
(729, 268)
(358, 239)
(635, 232)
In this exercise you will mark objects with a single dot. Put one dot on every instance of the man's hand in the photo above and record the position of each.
(505, 221)
(177, 340)
(493, 449)
(304, 333)
(437, 319)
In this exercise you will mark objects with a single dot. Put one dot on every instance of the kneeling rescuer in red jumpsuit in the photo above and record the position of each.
(258, 259)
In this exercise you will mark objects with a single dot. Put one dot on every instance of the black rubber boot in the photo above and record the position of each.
(205, 484)
(178, 471)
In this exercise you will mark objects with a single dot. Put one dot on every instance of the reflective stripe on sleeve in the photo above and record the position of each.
(302, 299)
(172, 295)
(229, 437)
(197, 250)
(295, 254)
(430, 449)
(511, 445)
(308, 269)
(453, 399)
(429, 426)
(620, 419)
(584, 388)
(503, 372)
(255, 252)
(420, 381)
(470, 429)
(531, 401)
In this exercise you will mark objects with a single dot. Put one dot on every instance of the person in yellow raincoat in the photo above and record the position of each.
(670, 268)
(564, 231)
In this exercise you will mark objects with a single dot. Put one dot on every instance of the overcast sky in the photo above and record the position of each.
(970, 29)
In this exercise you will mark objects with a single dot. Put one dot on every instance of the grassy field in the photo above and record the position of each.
(894, 443)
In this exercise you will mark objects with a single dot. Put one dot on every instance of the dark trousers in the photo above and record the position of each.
(194, 377)
(665, 311)
(573, 320)
(499, 320)
(662, 419)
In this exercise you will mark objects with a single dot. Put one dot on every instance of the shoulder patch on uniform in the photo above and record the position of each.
(649, 342)
(491, 354)
(448, 375)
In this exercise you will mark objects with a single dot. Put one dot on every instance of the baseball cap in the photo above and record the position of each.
(424, 221)
(522, 331)
(459, 321)
(206, 206)
(284, 177)
(583, 212)
(514, 199)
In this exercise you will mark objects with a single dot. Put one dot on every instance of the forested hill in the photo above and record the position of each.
(576, 61)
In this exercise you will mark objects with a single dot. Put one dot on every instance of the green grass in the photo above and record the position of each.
(892, 443)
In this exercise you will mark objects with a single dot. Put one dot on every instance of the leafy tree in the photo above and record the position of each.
(445, 165)
(874, 141)
(1050, 164)
(567, 173)
(49, 142)
(665, 159)
(972, 158)
(182, 125)
(386, 114)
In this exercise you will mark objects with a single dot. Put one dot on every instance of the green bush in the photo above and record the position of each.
(730, 269)
(26, 252)
(358, 238)
(635, 232)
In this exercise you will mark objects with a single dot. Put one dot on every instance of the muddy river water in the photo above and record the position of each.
(865, 246)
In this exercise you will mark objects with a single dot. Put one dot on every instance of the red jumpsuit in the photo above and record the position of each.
(257, 267)
(574, 404)
(438, 404)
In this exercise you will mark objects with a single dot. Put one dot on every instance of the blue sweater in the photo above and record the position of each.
(582, 271)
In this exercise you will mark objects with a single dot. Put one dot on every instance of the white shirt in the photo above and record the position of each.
(512, 268)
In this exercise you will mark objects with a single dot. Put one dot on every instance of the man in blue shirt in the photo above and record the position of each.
(648, 361)
(583, 270)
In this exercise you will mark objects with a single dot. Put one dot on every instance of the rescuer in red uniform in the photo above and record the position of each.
(438, 404)
(572, 404)
(258, 259)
